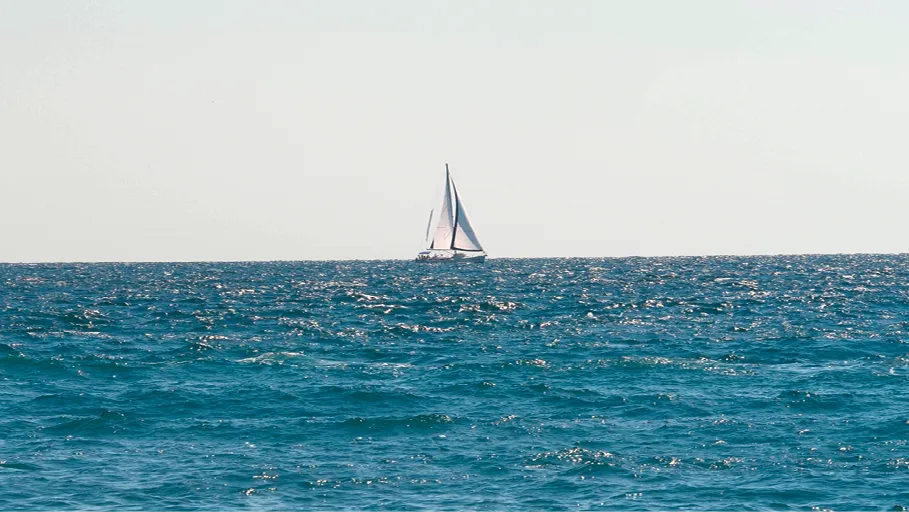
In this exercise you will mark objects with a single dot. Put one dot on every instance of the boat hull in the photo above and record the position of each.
(449, 257)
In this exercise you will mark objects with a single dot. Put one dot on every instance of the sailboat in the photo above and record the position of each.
(454, 239)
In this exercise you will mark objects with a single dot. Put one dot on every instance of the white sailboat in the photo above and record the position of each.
(454, 238)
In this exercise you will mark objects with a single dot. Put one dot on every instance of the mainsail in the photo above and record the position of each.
(445, 228)
(454, 231)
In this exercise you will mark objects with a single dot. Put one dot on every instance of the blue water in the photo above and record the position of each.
(723, 383)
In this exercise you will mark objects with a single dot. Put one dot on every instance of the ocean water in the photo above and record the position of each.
(720, 383)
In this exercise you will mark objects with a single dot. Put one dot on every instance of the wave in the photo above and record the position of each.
(105, 422)
(270, 358)
(417, 422)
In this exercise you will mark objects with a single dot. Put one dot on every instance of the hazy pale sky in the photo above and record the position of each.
(229, 130)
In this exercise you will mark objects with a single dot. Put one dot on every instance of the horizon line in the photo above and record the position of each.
(763, 255)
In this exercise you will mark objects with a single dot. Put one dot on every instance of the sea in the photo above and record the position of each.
(690, 383)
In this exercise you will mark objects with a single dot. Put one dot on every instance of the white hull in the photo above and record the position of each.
(450, 257)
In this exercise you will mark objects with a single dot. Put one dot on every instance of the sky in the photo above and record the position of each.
(222, 130)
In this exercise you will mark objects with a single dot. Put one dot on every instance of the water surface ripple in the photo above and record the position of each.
(721, 383)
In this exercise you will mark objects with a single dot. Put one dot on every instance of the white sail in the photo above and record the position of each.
(429, 224)
(465, 238)
(443, 236)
